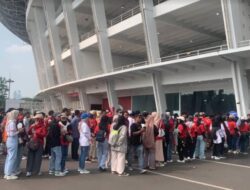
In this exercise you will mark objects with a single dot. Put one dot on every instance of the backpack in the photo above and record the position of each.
(100, 136)
(114, 136)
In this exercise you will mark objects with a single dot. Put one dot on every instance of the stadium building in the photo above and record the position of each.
(181, 55)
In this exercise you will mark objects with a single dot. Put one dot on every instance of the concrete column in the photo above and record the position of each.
(73, 36)
(101, 32)
(83, 98)
(233, 21)
(153, 51)
(44, 46)
(65, 100)
(111, 94)
(49, 9)
(54, 103)
(47, 104)
(37, 51)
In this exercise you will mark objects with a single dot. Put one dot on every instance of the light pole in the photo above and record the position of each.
(9, 81)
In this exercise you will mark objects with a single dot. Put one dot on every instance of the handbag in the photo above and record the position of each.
(33, 144)
(69, 138)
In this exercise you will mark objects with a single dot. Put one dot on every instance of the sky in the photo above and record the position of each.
(17, 62)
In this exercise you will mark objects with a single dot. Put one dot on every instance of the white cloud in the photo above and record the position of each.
(18, 48)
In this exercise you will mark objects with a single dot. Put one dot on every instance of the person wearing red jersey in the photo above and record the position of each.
(201, 136)
(244, 129)
(193, 137)
(233, 130)
(182, 137)
(37, 132)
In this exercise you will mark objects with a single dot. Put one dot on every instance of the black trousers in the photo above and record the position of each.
(34, 160)
(181, 148)
(216, 150)
(222, 149)
(47, 149)
(74, 149)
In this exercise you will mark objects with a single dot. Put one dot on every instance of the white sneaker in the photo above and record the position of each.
(212, 157)
(188, 158)
(78, 169)
(230, 151)
(169, 161)
(217, 158)
(28, 174)
(84, 171)
(66, 171)
(235, 152)
(142, 171)
(11, 177)
(59, 174)
(51, 172)
(181, 161)
(24, 158)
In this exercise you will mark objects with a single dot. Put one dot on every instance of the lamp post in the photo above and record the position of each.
(9, 81)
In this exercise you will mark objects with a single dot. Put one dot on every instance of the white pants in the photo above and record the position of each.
(118, 162)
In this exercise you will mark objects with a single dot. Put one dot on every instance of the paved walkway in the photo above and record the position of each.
(231, 173)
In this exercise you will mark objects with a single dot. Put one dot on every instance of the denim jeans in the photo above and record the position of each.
(12, 146)
(102, 153)
(138, 150)
(243, 143)
(200, 147)
(168, 147)
(65, 149)
(83, 155)
(56, 158)
(19, 157)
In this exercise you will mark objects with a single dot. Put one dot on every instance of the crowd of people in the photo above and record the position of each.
(116, 140)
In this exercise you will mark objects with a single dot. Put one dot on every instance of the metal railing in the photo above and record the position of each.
(184, 55)
(124, 16)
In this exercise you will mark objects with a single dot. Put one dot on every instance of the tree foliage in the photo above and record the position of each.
(3, 92)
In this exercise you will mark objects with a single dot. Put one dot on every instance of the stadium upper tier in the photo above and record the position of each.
(12, 16)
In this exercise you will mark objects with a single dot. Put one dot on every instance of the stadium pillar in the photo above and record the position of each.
(49, 9)
(37, 55)
(104, 47)
(83, 98)
(43, 43)
(54, 104)
(73, 36)
(153, 51)
(65, 100)
(235, 33)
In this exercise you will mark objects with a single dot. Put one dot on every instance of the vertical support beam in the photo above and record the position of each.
(100, 21)
(65, 100)
(153, 52)
(73, 36)
(111, 94)
(234, 32)
(49, 8)
(83, 98)
(47, 104)
(36, 50)
(44, 46)
(180, 103)
(54, 104)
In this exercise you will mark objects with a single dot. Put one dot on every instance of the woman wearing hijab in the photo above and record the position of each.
(12, 145)
(119, 149)
(149, 143)
(159, 156)
(37, 132)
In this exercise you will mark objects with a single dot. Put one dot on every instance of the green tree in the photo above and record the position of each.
(3, 92)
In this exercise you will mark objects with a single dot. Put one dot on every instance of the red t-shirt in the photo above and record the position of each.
(232, 126)
(245, 128)
(182, 131)
(200, 129)
(193, 130)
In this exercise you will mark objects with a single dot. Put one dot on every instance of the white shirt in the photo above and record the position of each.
(85, 134)
(219, 139)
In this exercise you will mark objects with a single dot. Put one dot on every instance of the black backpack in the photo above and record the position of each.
(101, 135)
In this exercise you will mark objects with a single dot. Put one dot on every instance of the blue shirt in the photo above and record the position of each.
(74, 123)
